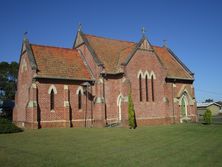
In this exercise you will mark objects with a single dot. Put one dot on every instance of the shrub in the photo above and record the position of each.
(207, 117)
(131, 113)
(8, 127)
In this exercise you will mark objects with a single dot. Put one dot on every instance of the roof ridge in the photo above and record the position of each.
(122, 50)
(56, 47)
(109, 38)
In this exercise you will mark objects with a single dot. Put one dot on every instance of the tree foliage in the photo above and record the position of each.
(131, 113)
(209, 100)
(8, 80)
(207, 117)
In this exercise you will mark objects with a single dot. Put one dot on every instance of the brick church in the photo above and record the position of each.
(88, 85)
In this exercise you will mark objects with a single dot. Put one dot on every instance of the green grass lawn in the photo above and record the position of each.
(175, 145)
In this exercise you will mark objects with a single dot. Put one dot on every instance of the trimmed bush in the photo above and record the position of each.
(207, 117)
(131, 113)
(8, 127)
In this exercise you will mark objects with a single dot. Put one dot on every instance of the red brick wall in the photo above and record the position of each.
(89, 59)
(61, 113)
(23, 87)
(144, 60)
(112, 91)
(191, 108)
(159, 111)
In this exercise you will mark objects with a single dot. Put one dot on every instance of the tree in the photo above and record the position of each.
(207, 117)
(131, 113)
(8, 80)
(209, 100)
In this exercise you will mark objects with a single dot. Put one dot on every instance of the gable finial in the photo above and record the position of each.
(165, 43)
(25, 35)
(80, 27)
(143, 30)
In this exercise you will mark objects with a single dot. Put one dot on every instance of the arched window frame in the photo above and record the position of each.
(184, 101)
(152, 87)
(146, 85)
(52, 100)
(140, 88)
(52, 92)
(79, 93)
(79, 100)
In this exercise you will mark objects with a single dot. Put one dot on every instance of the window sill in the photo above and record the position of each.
(52, 110)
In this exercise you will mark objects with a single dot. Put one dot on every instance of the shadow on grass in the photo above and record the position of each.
(7, 126)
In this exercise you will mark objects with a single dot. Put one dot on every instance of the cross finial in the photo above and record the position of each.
(80, 27)
(143, 30)
(165, 43)
(25, 35)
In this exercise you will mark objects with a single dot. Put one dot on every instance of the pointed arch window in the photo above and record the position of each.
(140, 87)
(79, 100)
(146, 83)
(183, 106)
(152, 87)
(52, 100)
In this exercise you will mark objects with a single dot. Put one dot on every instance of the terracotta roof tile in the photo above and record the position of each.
(174, 68)
(59, 62)
(109, 51)
(113, 52)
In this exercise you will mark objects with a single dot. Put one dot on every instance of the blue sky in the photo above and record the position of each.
(192, 28)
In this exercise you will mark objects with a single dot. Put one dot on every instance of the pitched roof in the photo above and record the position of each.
(113, 52)
(219, 102)
(206, 104)
(110, 51)
(174, 68)
(59, 62)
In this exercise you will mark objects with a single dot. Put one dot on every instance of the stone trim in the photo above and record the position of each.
(78, 120)
(152, 74)
(100, 81)
(175, 100)
(52, 111)
(52, 87)
(112, 119)
(66, 103)
(183, 92)
(52, 121)
(79, 89)
(99, 100)
(146, 73)
(24, 66)
(165, 99)
(141, 118)
(34, 85)
(125, 98)
(32, 104)
(140, 73)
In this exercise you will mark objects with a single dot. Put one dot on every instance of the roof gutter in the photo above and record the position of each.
(112, 73)
(179, 79)
(63, 78)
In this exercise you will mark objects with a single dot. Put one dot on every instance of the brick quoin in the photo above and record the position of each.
(111, 68)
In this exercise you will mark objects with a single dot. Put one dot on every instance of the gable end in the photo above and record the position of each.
(26, 48)
(82, 40)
